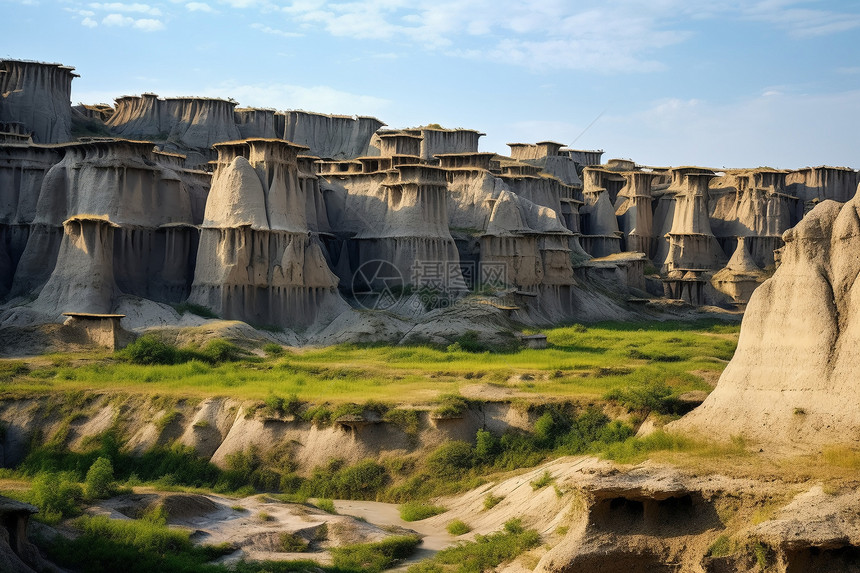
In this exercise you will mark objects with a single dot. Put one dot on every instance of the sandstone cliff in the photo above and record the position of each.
(37, 95)
(793, 377)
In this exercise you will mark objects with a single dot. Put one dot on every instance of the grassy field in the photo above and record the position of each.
(581, 362)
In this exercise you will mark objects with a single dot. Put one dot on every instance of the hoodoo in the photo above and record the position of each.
(258, 259)
(37, 96)
(793, 377)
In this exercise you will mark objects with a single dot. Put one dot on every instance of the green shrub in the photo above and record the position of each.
(292, 543)
(491, 501)
(149, 350)
(363, 480)
(273, 349)
(652, 397)
(57, 495)
(407, 420)
(374, 557)
(99, 482)
(469, 341)
(483, 554)
(544, 480)
(326, 505)
(451, 406)
(219, 350)
(458, 527)
(451, 460)
(486, 447)
(416, 511)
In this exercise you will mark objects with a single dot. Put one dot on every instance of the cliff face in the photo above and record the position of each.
(22, 169)
(190, 122)
(111, 193)
(793, 377)
(258, 259)
(38, 96)
(328, 136)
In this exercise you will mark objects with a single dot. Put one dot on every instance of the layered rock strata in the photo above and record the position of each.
(37, 95)
(793, 377)
(259, 261)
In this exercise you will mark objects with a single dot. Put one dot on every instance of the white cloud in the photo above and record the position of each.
(120, 7)
(275, 32)
(199, 7)
(148, 25)
(609, 35)
(117, 20)
(89, 22)
(145, 24)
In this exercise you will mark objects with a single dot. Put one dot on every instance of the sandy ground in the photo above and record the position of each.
(255, 524)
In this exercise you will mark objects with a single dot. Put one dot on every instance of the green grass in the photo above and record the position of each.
(634, 450)
(483, 554)
(582, 362)
(544, 480)
(416, 511)
(374, 557)
(491, 501)
(326, 505)
(458, 527)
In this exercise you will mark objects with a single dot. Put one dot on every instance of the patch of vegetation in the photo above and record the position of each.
(364, 480)
(150, 350)
(292, 543)
(273, 349)
(544, 480)
(197, 309)
(416, 511)
(406, 419)
(634, 450)
(722, 547)
(374, 557)
(99, 483)
(653, 397)
(132, 546)
(491, 501)
(458, 527)
(450, 406)
(56, 494)
(483, 554)
(326, 505)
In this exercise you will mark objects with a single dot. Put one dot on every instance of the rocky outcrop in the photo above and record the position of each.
(258, 259)
(741, 275)
(792, 379)
(328, 136)
(256, 123)
(112, 193)
(37, 95)
(692, 244)
(436, 140)
(190, 123)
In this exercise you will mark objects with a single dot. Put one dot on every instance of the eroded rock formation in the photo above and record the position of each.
(37, 96)
(793, 376)
(258, 260)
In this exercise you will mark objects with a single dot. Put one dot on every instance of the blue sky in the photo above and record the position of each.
(722, 83)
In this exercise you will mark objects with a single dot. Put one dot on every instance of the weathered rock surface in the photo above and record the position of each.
(37, 96)
(792, 379)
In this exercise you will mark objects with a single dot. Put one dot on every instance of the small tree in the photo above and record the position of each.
(99, 482)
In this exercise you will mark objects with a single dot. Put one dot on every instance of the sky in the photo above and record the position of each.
(718, 83)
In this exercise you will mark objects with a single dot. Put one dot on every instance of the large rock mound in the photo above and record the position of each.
(794, 376)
